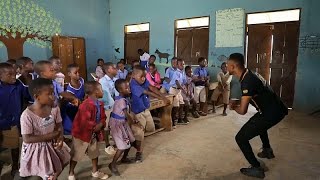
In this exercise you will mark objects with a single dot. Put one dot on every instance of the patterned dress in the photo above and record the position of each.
(119, 127)
(41, 159)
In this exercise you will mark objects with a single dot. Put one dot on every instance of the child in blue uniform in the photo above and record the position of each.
(75, 87)
(12, 94)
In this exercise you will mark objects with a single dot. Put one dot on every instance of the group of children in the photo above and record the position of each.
(37, 104)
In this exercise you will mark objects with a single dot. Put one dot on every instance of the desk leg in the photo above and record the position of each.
(166, 121)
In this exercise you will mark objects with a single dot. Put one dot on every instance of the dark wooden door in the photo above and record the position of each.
(79, 56)
(272, 52)
(133, 42)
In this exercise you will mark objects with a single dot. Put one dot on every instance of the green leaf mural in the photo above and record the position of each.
(25, 21)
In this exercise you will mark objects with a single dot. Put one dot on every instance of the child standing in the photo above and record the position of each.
(57, 66)
(120, 129)
(75, 87)
(201, 80)
(86, 140)
(144, 57)
(43, 153)
(224, 79)
(109, 93)
(153, 76)
(26, 69)
(122, 72)
(177, 80)
(12, 93)
(99, 71)
(140, 102)
(188, 96)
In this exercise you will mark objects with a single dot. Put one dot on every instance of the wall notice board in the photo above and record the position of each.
(230, 27)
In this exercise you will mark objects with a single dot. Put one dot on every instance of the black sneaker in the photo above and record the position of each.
(186, 120)
(266, 153)
(138, 157)
(181, 122)
(195, 114)
(257, 172)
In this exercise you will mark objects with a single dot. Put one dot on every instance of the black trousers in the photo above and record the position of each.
(258, 125)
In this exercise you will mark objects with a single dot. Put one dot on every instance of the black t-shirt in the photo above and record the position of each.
(264, 99)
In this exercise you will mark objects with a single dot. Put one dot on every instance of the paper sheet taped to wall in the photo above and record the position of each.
(230, 27)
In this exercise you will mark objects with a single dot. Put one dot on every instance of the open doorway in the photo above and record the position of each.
(272, 49)
(136, 37)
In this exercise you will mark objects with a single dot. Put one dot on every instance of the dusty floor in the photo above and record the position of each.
(206, 149)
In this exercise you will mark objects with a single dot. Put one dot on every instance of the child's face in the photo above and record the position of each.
(125, 89)
(48, 72)
(140, 76)
(152, 69)
(28, 67)
(100, 63)
(8, 75)
(224, 68)
(189, 72)
(99, 91)
(121, 66)
(174, 63)
(57, 65)
(181, 65)
(152, 60)
(45, 96)
(203, 63)
(74, 73)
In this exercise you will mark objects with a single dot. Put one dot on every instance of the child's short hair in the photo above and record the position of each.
(23, 61)
(99, 60)
(153, 56)
(140, 50)
(118, 84)
(5, 66)
(201, 59)
(174, 58)
(90, 87)
(123, 61)
(179, 60)
(12, 61)
(187, 68)
(137, 69)
(120, 62)
(152, 65)
(52, 58)
(106, 66)
(38, 67)
(37, 84)
(71, 66)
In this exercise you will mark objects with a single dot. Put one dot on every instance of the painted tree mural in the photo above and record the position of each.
(25, 21)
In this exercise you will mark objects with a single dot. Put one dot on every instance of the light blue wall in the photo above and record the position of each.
(162, 14)
(84, 18)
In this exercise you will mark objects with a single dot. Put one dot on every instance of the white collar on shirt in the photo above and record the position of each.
(109, 78)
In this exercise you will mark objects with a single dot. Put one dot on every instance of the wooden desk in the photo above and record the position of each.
(165, 113)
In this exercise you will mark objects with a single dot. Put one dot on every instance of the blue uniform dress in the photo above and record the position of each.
(69, 111)
(122, 74)
(11, 101)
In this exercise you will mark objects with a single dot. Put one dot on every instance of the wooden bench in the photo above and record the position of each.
(165, 114)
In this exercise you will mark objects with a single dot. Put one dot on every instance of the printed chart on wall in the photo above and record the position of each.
(230, 27)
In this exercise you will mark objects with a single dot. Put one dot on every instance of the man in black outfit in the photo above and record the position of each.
(271, 111)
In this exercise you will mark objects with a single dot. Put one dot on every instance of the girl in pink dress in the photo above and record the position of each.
(43, 152)
(153, 76)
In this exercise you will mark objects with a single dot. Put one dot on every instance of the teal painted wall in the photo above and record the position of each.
(88, 19)
(162, 14)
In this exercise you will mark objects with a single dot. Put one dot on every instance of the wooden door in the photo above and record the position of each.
(133, 42)
(79, 56)
(272, 52)
(184, 44)
(200, 45)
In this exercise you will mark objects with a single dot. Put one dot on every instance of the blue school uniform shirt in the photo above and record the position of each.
(11, 101)
(169, 73)
(57, 90)
(69, 111)
(139, 101)
(109, 91)
(200, 72)
(179, 76)
(122, 74)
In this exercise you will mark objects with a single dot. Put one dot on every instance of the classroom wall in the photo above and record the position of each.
(88, 19)
(162, 14)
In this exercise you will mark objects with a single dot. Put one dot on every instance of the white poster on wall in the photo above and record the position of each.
(230, 27)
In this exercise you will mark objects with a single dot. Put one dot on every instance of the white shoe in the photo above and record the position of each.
(71, 178)
(110, 150)
(100, 175)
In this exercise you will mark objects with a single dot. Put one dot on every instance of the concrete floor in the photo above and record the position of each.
(206, 149)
